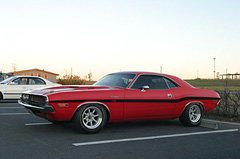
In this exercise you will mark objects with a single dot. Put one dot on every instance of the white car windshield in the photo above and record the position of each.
(7, 80)
(117, 80)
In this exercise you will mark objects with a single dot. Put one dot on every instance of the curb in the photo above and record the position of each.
(209, 124)
(221, 122)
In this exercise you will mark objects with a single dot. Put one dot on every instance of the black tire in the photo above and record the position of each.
(192, 115)
(90, 118)
(1, 96)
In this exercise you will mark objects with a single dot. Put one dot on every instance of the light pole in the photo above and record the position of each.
(214, 68)
(160, 68)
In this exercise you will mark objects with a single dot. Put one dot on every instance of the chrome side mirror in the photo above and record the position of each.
(144, 88)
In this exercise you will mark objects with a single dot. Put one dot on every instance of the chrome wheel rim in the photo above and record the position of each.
(92, 117)
(194, 113)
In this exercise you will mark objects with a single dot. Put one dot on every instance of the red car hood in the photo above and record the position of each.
(60, 89)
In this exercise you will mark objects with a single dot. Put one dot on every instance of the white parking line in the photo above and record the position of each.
(33, 124)
(152, 137)
(14, 113)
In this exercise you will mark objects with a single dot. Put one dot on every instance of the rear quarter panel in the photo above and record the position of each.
(185, 96)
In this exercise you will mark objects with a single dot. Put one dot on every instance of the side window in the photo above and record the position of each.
(141, 81)
(40, 81)
(153, 81)
(170, 83)
(20, 81)
(36, 81)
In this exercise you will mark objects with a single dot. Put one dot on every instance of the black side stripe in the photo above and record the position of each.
(137, 100)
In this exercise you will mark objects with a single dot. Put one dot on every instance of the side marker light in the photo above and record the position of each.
(62, 104)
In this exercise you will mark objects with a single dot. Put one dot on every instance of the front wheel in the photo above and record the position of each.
(90, 118)
(1, 96)
(192, 115)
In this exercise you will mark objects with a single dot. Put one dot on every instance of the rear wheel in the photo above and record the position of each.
(90, 118)
(192, 115)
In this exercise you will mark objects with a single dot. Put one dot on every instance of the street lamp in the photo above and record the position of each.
(214, 68)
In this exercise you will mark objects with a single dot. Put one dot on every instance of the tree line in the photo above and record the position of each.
(75, 80)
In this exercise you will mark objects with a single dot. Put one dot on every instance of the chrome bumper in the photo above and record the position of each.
(36, 108)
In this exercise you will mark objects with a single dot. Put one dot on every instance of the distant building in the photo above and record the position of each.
(37, 72)
(229, 75)
(4, 76)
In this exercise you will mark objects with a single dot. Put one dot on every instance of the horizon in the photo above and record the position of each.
(231, 76)
(181, 38)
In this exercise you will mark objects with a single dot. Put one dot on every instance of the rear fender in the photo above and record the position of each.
(194, 102)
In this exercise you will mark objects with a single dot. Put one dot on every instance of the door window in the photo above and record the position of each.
(154, 82)
(20, 81)
(36, 81)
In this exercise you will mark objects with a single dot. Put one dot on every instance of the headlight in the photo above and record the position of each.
(25, 97)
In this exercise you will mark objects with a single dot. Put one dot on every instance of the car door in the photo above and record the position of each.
(16, 87)
(149, 97)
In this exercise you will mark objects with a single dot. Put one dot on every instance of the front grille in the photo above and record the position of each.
(36, 100)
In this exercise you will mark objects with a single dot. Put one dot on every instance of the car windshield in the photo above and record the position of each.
(118, 80)
(7, 80)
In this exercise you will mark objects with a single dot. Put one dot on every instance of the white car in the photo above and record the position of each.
(12, 87)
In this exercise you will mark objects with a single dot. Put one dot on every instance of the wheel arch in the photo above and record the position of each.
(1, 95)
(199, 103)
(95, 103)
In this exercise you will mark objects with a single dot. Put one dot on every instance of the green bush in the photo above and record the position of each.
(229, 105)
(71, 80)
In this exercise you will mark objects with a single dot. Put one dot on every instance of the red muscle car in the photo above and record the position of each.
(122, 96)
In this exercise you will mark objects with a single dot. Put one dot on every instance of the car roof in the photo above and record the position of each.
(140, 72)
(28, 76)
(174, 78)
(145, 72)
(34, 77)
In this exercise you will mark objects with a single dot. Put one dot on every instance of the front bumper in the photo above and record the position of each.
(36, 108)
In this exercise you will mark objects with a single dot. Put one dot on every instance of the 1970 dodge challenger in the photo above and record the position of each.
(122, 96)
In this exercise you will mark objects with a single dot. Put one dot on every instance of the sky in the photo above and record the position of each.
(105, 36)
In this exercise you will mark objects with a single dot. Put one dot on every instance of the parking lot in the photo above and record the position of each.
(23, 135)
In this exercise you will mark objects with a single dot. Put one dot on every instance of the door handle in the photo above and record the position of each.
(169, 95)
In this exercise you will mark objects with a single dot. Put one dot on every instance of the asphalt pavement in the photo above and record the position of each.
(24, 135)
(9, 101)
